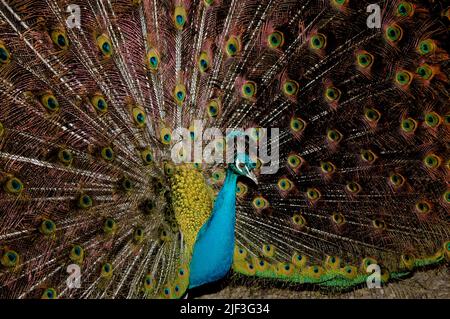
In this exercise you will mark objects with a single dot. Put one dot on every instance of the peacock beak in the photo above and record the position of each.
(252, 176)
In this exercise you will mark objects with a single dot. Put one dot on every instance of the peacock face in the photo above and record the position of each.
(244, 166)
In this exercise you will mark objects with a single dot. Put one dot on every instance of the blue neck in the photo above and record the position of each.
(213, 250)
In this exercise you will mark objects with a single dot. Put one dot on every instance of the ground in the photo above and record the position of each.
(428, 284)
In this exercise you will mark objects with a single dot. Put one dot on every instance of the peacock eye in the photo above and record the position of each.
(76, 254)
(248, 89)
(379, 224)
(166, 136)
(204, 62)
(284, 184)
(106, 271)
(396, 180)
(353, 187)
(233, 46)
(426, 46)
(179, 94)
(10, 259)
(208, 2)
(327, 167)
(299, 220)
(13, 186)
(99, 103)
(432, 161)
(241, 189)
(47, 227)
(5, 55)
(338, 218)
(339, 3)
(147, 156)
(49, 293)
(367, 156)
(432, 119)
(446, 196)
(213, 108)
(139, 117)
(393, 33)
(423, 207)
(334, 136)
(318, 41)
(59, 38)
(403, 78)
(405, 9)
(364, 59)
(104, 45)
(260, 202)
(153, 60)
(408, 125)
(180, 17)
(313, 194)
(107, 153)
(84, 201)
(372, 115)
(219, 175)
(138, 235)
(275, 40)
(297, 125)
(425, 72)
(50, 102)
(290, 88)
(148, 282)
(332, 94)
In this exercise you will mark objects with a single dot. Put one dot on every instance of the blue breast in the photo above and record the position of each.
(213, 250)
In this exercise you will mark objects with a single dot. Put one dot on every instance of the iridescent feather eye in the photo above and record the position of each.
(338, 219)
(84, 201)
(10, 259)
(275, 40)
(49, 293)
(396, 180)
(339, 3)
(138, 235)
(153, 60)
(327, 167)
(313, 194)
(368, 156)
(107, 153)
(5, 55)
(284, 184)
(332, 94)
(364, 59)
(47, 227)
(446, 197)
(213, 108)
(260, 202)
(50, 102)
(126, 184)
(106, 270)
(294, 161)
(204, 62)
(241, 189)
(179, 94)
(99, 103)
(353, 187)
(405, 9)
(13, 185)
(76, 254)
(248, 89)
(403, 78)
(426, 46)
(218, 176)
(147, 156)
(423, 207)
(179, 17)
(233, 46)
(379, 224)
(104, 45)
(290, 88)
(432, 119)
(169, 168)
(393, 33)
(139, 117)
(148, 282)
(372, 115)
(425, 72)
(432, 161)
(299, 221)
(334, 136)
(208, 2)
(59, 38)
(166, 136)
(408, 125)
(297, 125)
(318, 41)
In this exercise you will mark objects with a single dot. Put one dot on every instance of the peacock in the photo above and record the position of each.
(97, 201)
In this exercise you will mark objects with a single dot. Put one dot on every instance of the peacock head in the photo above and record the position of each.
(243, 166)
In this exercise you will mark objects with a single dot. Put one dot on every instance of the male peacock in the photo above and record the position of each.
(87, 118)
